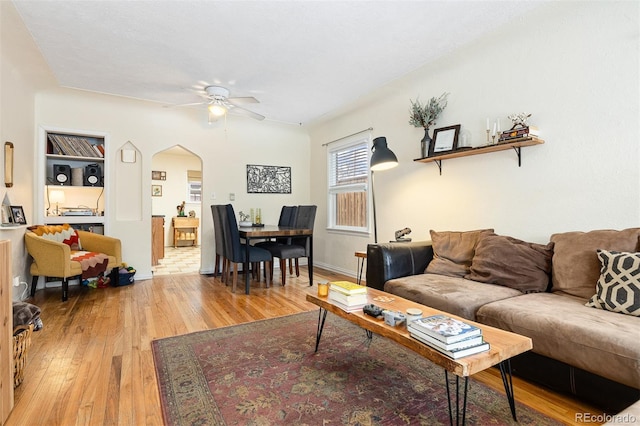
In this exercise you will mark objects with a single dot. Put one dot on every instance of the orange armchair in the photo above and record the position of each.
(53, 259)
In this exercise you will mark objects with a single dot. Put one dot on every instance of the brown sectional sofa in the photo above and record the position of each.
(536, 290)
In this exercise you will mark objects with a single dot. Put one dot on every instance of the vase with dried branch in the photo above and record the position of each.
(425, 115)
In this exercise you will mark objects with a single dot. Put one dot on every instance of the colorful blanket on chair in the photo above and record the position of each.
(93, 264)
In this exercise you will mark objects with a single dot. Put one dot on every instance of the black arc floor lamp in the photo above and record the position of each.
(381, 159)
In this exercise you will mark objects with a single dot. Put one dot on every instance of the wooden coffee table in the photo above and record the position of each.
(504, 344)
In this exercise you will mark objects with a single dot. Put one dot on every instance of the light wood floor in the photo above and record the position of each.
(91, 364)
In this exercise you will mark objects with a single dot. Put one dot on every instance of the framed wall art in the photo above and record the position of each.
(444, 139)
(268, 179)
(158, 175)
(156, 190)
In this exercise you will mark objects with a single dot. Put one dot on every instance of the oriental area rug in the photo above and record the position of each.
(267, 373)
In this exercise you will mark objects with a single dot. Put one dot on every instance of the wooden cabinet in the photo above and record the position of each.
(71, 180)
(185, 229)
(6, 332)
(157, 239)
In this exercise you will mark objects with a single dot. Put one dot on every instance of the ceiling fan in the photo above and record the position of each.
(219, 103)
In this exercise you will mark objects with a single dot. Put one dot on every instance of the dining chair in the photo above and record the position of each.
(235, 250)
(296, 247)
(287, 218)
(218, 239)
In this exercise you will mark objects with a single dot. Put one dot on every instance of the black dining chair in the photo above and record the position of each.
(219, 241)
(296, 247)
(287, 218)
(235, 250)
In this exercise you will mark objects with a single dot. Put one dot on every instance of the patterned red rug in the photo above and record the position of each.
(266, 373)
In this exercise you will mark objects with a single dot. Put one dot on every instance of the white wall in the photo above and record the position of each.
(22, 73)
(152, 129)
(574, 66)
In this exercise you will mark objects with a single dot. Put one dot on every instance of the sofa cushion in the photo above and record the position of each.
(618, 288)
(576, 268)
(453, 251)
(60, 233)
(450, 294)
(561, 327)
(511, 262)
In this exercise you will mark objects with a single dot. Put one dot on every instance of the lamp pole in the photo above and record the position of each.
(381, 159)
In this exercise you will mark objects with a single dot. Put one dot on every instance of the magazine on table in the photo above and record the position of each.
(445, 328)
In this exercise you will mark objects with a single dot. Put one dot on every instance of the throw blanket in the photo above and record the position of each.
(93, 264)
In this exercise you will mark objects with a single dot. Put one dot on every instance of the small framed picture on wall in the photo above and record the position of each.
(156, 190)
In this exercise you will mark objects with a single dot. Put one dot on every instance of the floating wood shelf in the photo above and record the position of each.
(516, 144)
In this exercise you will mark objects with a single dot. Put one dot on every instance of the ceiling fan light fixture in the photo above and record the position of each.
(217, 109)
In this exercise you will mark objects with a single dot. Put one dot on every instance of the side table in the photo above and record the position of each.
(185, 229)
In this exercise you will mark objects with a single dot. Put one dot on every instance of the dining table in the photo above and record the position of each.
(249, 233)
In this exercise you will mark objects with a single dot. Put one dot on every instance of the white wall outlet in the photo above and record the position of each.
(213, 195)
(16, 281)
(232, 196)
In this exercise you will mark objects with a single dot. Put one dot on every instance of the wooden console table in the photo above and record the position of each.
(185, 229)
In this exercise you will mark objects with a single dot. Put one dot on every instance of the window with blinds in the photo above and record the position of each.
(348, 176)
(194, 186)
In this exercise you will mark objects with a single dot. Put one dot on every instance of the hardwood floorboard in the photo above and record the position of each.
(92, 362)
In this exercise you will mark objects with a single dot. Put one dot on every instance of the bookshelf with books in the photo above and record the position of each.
(71, 167)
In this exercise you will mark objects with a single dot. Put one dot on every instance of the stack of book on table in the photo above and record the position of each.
(348, 296)
(450, 336)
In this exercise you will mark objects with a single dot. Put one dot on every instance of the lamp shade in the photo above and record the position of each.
(56, 196)
(382, 158)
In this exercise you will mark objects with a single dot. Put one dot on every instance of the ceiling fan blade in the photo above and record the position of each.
(189, 104)
(241, 111)
(243, 100)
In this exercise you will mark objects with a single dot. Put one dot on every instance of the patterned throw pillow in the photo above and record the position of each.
(618, 288)
(60, 233)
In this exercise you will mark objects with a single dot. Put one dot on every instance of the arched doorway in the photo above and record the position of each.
(177, 182)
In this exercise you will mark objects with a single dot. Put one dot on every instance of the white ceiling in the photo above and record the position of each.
(301, 59)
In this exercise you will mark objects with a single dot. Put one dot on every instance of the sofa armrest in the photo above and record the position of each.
(101, 244)
(394, 260)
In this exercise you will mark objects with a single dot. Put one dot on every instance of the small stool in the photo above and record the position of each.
(360, 255)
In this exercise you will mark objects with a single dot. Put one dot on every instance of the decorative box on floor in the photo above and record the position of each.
(125, 276)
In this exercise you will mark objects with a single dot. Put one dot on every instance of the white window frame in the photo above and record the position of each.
(333, 189)
(194, 176)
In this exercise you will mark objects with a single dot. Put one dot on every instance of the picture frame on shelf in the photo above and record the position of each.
(17, 215)
(5, 214)
(444, 139)
(158, 175)
(156, 190)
